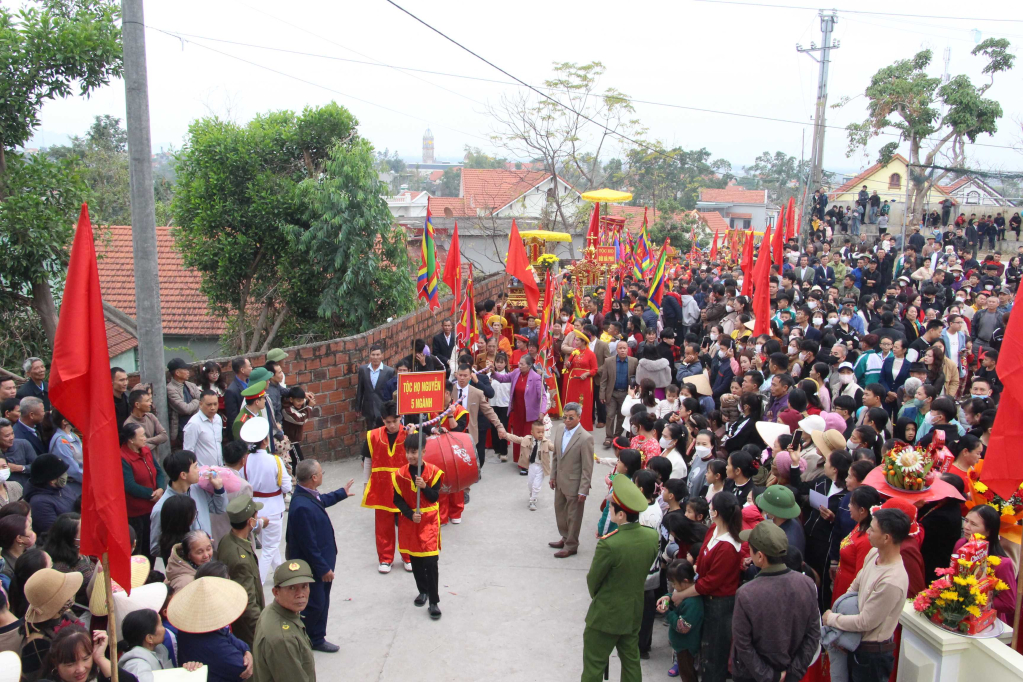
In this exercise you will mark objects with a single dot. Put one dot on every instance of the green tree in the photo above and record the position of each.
(358, 252)
(658, 174)
(451, 182)
(102, 155)
(236, 203)
(476, 158)
(48, 50)
(778, 173)
(937, 120)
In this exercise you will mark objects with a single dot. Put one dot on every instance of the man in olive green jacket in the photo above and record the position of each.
(235, 551)
(616, 580)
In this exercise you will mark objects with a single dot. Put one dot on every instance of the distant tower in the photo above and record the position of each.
(428, 147)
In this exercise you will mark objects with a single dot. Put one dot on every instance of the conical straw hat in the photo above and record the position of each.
(207, 604)
(98, 598)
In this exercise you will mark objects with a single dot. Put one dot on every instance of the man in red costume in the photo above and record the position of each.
(419, 527)
(383, 454)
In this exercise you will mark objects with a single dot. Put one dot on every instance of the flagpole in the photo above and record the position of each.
(111, 617)
(420, 463)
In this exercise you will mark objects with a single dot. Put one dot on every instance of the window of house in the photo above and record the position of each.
(973, 197)
(895, 181)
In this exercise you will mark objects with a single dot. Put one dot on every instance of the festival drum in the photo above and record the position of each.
(455, 455)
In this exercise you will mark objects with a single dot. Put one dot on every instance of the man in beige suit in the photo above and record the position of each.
(615, 375)
(571, 469)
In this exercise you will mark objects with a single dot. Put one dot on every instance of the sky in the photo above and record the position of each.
(712, 55)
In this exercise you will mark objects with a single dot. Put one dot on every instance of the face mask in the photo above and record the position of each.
(702, 451)
(713, 336)
(729, 308)
(721, 354)
(845, 319)
(760, 347)
(929, 418)
(846, 378)
(818, 321)
(793, 351)
(665, 443)
(961, 299)
(564, 318)
(972, 395)
(832, 321)
(812, 305)
(62, 481)
(635, 430)
(739, 282)
(914, 402)
(4, 474)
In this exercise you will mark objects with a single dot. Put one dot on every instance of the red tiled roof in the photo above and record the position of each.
(955, 185)
(734, 195)
(456, 204)
(119, 340)
(858, 181)
(741, 216)
(633, 216)
(494, 189)
(436, 175)
(714, 221)
(184, 307)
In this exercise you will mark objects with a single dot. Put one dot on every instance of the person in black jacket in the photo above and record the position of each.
(942, 523)
(420, 362)
(744, 430)
(242, 368)
(444, 342)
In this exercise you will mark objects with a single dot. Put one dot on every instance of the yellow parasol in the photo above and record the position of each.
(545, 235)
(607, 196)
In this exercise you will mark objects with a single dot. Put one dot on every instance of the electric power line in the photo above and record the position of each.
(855, 11)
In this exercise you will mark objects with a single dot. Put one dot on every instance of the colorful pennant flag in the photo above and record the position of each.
(660, 277)
(467, 331)
(426, 283)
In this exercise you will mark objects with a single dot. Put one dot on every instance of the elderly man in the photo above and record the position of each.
(571, 469)
(182, 397)
(142, 413)
(204, 432)
(27, 427)
(281, 651)
(618, 372)
(310, 537)
(36, 386)
(18, 453)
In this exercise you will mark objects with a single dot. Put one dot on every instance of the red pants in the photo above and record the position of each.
(451, 506)
(386, 531)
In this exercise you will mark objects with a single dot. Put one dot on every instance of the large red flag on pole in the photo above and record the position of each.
(516, 264)
(790, 220)
(80, 389)
(761, 289)
(1003, 463)
(747, 264)
(778, 243)
(453, 270)
(593, 233)
(714, 249)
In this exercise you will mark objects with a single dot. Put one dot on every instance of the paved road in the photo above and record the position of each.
(512, 611)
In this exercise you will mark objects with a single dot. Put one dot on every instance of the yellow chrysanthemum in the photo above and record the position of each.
(1007, 509)
(993, 505)
(973, 611)
(940, 602)
(980, 487)
(964, 562)
(1001, 586)
(994, 560)
(949, 595)
(971, 580)
(981, 599)
(959, 581)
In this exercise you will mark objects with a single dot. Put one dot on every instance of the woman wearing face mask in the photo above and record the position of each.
(50, 595)
(10, 491)
(62, 544)
(188, 555)
(673, 445)
(744, 431)
(714, 335)
(704, 446)
(46, 492)
(844, 332)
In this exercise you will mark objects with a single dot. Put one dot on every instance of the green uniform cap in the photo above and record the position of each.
(242, 508)
(767, 538)
(293, 572)
(276, 355)
(255, 389)
(630, 498)
(260, 374)
(778, 500)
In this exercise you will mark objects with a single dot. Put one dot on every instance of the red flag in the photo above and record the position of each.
(761, 289)
(714, 249)
(609, 295)
(778, 245)
(1003, 463)
(516, 264)
(453, 270)
(80, 389)
(593, 234)
(747, 264)
(790, 220)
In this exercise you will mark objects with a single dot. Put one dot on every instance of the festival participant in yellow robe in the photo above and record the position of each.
(580, 368)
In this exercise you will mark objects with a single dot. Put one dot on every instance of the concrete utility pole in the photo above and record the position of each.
(143, 209)
(828, 22)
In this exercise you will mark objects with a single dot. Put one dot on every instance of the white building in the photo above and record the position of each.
(973, 195)
(408, 204)
(503, 193)
(742, 209)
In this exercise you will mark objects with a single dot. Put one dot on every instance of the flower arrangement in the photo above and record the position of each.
(1011, 510)
(909, 468)
(960, 600)
(546, 262)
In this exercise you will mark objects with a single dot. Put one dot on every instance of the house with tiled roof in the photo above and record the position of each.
(408, 204)
(889, 181)
(505, 193)
(973, 195)
(190, 331)
(738, 208)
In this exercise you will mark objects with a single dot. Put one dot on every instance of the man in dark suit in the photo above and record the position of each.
(310, 537)
(803, 322)
(27, 428)
(615, 376)
(825, 277)
(444, 343)
(36, 386)
(369, 393)
(233, 401)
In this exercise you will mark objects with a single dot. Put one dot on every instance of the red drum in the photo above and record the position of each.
(455, 455)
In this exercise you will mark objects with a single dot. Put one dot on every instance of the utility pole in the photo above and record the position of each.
(828, 22)
(143, 209)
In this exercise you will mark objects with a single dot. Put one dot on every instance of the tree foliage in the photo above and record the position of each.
(675, 175)
(905, 100)
(352, 243)
(477, 158)
(778, 173)
(48, 50)
(450, 183)
(102, 156)
(237, 201)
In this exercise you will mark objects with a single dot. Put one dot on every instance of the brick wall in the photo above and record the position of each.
(330, 370)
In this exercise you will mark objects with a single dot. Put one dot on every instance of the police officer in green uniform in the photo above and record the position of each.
(255, 401)
(235, 551)
(616, 579)
(281, 651)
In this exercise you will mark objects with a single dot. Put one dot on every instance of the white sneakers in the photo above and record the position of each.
(384, 568)
(456, 521)
(532, 505)
(408, 567)
(504, 458)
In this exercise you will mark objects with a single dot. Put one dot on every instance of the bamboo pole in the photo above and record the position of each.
(111, 617)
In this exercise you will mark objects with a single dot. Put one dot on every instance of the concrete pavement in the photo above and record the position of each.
(511, 611)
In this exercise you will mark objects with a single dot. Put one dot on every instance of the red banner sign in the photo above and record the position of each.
(606, 255)
(420, 392)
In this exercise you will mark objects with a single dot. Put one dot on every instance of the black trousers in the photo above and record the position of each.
(500, 445)
(870, 667)
(141, 526)
(481, 443)
(315, 613)
(424, 569)
(716, 638)
(646, 627)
